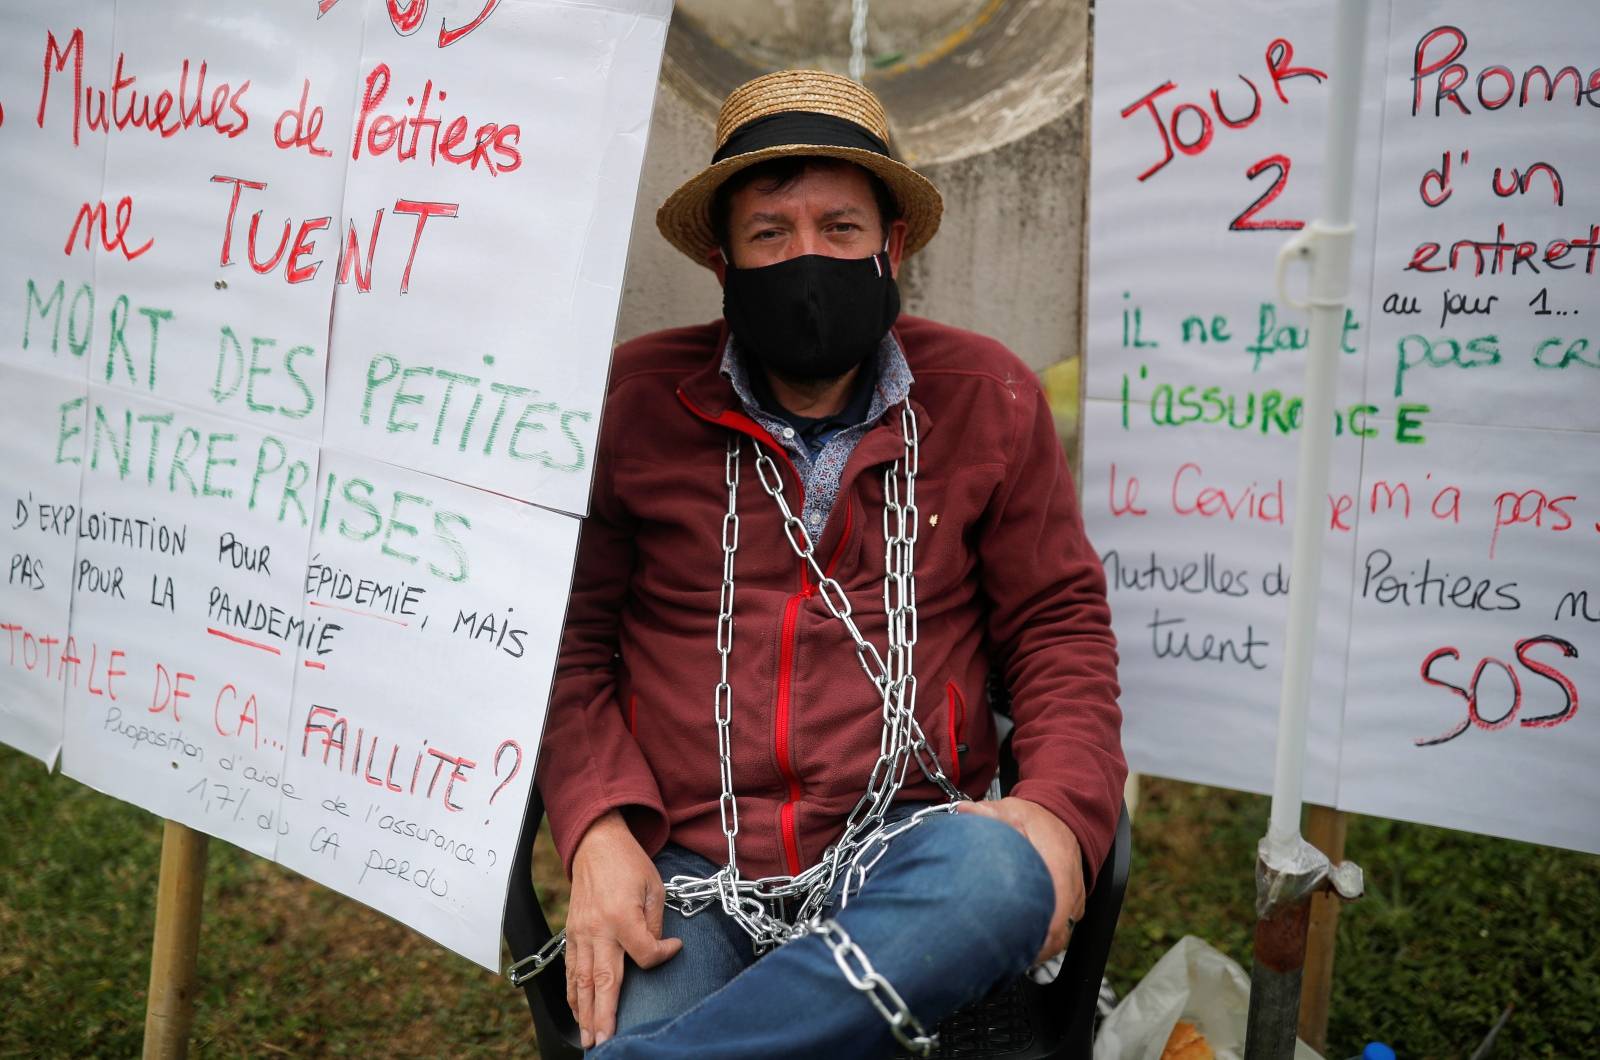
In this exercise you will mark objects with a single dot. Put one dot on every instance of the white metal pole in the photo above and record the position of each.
(1326, 241)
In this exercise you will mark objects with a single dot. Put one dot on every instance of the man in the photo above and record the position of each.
(710, 707)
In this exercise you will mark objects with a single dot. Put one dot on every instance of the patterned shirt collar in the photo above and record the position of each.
(821, 473)
(894, 381)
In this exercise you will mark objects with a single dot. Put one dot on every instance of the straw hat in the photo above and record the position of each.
(806, 113)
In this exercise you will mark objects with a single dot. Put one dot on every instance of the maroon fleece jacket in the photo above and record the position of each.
(1005, 579)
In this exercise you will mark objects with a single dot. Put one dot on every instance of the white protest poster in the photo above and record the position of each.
(1488, 251)
(52, 179)
(493, 167)
(224, 129)
(1477, 631)
(1195, 548)
(1476, 618)
(233, 231)
(1205, 161)
(43, 424)
(416, 729)
(186, 613)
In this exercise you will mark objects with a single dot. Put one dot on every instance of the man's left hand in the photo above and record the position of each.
(1058, 847)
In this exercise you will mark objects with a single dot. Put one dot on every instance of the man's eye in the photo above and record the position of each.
(844, 226)
(765, 234)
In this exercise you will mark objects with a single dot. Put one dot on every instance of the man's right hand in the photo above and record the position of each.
(616, 907)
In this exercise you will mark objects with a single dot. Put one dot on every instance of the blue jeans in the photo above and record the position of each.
(958, 905)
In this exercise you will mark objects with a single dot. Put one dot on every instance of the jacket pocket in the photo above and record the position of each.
(956, 720)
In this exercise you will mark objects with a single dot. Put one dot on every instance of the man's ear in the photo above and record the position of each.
(897, 246)
(719, 265)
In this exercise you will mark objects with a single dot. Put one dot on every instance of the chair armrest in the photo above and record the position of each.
(526, 930)
(1090, 949)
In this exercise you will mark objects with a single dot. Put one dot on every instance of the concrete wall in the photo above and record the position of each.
(1006, 261)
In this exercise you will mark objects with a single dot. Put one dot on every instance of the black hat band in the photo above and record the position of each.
(798, 127)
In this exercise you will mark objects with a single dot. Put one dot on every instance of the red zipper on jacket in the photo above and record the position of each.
(786, 637)
(786, 642)
(784, 723)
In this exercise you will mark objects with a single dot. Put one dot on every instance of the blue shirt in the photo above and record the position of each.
(820, 470)
(818, 431)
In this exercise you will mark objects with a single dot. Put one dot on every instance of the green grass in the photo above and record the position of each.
(1454, 927)
(286, 967)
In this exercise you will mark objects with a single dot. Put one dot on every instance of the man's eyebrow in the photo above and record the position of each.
(762, 218)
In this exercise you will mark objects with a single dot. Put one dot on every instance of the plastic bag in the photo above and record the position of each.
(1193, 981)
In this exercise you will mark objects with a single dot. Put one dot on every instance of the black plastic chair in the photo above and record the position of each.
(1019, 1021)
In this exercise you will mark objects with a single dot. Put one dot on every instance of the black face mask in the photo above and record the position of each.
(812, 317)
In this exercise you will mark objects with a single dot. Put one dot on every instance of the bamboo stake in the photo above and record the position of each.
(1325, 830)
(170, 1009)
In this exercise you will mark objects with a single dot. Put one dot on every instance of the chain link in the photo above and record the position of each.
(521, 971)
(750, 903)
(853, 962)
(727, 805)
(858, 39)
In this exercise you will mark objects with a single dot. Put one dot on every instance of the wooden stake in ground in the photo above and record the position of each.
(1325, 828)
(170, 1009)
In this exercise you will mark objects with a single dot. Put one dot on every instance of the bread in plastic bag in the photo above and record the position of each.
(1193, 981)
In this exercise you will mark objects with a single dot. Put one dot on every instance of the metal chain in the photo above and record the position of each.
(903, 1023)
(853, 962)
(521, 971)
(865, 837)
(727, 805)
(858, 39)
(876, 845)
